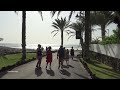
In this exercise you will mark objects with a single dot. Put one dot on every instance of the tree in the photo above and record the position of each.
(78, 26)
(87, 30)
(92, 22)
(103, 19)
(24, 33)
(60, 25)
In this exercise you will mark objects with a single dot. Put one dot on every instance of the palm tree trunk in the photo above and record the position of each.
(87, 31)
(90, 35)
(62, 37)
(23, 35)
(81, 42)
(103, 31)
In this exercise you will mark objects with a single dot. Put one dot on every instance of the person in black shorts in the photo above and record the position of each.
(72, 53)
(60, 55)
(39, 55)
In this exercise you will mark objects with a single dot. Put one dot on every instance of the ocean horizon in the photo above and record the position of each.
(34, 46)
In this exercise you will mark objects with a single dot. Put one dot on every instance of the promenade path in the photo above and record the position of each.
(29, 71)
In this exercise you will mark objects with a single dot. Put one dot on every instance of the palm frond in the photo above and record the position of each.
(53, 13)
(55, 34)
(67, 32)
(54, 31)
(16, 12)
(40, 12)
(55, 26)
(70, 15)
(70, 36)
(58, 13)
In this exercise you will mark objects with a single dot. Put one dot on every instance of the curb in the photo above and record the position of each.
(93, 76)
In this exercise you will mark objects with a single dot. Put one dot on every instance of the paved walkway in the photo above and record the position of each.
(29, 71)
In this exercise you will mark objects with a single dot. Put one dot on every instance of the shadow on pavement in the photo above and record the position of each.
(65, 72)
(50, 72)
(71, 66)
(38, 71)
(65, 66)
(82, 76)
(75, 60)
(2, 74)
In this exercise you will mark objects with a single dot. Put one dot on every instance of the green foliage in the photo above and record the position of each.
(102, 71)
(60, 25)
(113, 39)
(11, 59)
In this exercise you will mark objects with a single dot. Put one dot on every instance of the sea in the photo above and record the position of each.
(34, 46)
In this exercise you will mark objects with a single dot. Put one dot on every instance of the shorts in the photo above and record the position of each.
(39, 57)
(61, 59)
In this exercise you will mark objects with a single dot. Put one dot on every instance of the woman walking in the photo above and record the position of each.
(49, 57)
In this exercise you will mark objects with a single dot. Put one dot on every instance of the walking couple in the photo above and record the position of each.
(48, 56)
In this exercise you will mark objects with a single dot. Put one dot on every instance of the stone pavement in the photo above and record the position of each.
(29, 71)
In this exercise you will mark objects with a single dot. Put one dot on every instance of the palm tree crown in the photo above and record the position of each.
(61, 25)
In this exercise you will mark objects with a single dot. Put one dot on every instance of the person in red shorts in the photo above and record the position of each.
(49, 57)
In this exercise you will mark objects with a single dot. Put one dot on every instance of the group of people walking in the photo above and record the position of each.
(62, 55)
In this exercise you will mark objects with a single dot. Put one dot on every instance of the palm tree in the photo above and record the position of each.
(78, 26)
(24, 33)
(103, 19)
(87, 31)
(60, 25)
(117, 18)
(92, 23)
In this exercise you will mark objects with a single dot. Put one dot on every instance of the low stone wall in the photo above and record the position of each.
(108, 60)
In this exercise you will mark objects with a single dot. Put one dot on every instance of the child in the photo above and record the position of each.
(49, 57)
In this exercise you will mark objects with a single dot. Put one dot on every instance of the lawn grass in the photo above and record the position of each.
(13, 58)
(103, 71)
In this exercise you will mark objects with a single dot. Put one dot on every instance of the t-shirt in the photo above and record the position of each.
(39, 52)
(61, 52)
(72, 52)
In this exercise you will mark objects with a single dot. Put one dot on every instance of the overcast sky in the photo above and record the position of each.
(37, 31)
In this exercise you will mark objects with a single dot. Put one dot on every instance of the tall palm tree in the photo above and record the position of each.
(117, 18)
(92, 23)
(24, 33)
(103, 19)
(87, 31)
(60, 25)
(78, 26)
